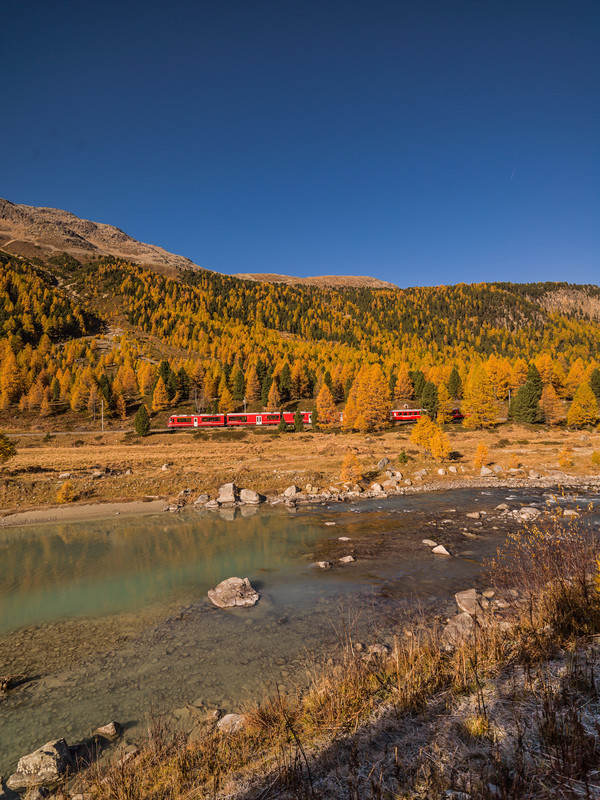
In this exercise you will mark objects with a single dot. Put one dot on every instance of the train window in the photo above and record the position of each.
(183, 420)
(211, 419)
(272, 417)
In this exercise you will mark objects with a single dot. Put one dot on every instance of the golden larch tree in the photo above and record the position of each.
(327, 413)
(160, 399)
(252, 385)
(584, 408)
(445, 405)
(403, 390)
(273, 400)
(479, 405)
(551, 405)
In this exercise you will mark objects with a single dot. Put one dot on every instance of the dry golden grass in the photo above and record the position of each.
(265, 461)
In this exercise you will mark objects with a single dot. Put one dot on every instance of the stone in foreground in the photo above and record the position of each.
(250, 497)
(234, 593)
(467, 601)
(227, 493)
(459, 629)
(440, 550)
(43, 767)
(231, 723)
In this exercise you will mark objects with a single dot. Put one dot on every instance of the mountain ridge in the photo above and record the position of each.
(44, 232)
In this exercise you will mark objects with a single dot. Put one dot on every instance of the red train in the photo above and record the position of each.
(274, 417)
(233, 420)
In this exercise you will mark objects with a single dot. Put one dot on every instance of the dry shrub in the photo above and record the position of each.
(552, 568)
(351, 470)
(66, 493)
(481, 455)
(565, 457)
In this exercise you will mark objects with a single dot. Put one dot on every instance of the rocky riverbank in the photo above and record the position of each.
(229, 496)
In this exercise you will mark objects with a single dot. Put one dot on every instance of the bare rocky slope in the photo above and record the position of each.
(320, 280)
(46, 232)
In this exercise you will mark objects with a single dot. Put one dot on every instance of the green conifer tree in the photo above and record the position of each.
(455, 384)
(142, 421)
(525, 407)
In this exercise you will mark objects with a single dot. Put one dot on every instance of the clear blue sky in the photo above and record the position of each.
(421, 142)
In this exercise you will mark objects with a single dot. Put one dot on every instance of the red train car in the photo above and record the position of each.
(407, 414)
(196, 421)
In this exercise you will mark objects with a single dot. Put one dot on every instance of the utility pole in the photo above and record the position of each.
(244, 405)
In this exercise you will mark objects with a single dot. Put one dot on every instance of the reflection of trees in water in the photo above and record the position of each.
(68, 553)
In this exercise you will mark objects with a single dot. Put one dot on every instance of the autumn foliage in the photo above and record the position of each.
(223, 341)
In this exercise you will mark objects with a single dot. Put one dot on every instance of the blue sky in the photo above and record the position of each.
(420, 142)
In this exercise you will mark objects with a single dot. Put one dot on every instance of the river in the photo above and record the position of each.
(110, 618)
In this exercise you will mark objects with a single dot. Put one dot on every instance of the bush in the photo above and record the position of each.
(7, 448)
(66, 493)
(481, 455)
(403, 457)
(351, 470)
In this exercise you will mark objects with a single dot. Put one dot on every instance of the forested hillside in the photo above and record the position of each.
(210, 340)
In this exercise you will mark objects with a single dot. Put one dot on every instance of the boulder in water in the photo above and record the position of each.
(234, 593)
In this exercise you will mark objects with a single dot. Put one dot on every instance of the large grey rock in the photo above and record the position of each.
(227, 493)
(234, 592)
(381, 465)
(485, 472)
(347, 559)
(291, 491)
(250, 497)
(440, 550)
(44, 767)
(212, 505)
(459, 629)
(201, 499)
(452, 469)
(473, 515)
(377, 488)
(429, 542)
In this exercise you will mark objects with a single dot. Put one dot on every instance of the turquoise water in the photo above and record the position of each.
(111, 616)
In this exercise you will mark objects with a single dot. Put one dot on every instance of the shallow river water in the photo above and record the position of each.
(111, 618)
